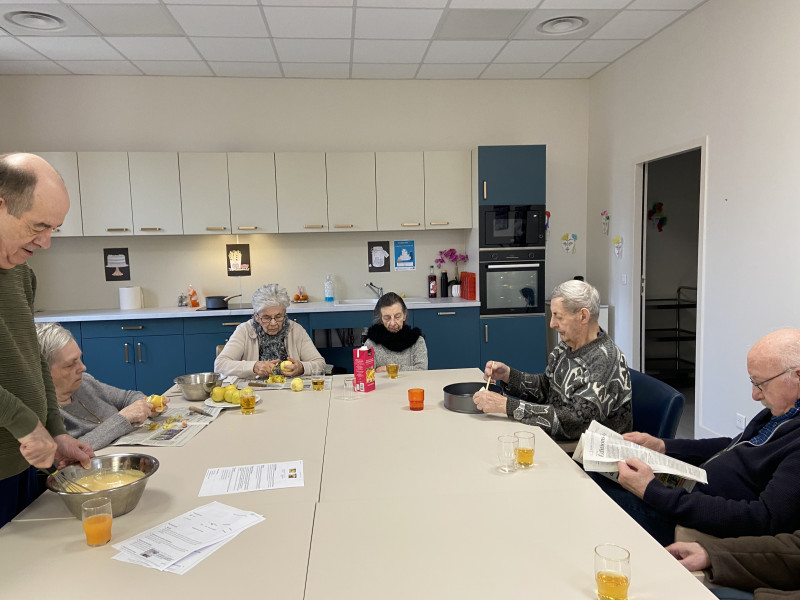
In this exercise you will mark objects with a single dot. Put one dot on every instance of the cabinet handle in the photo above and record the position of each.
(150, 229)
(314, 226)
(343, 226)
(231, 324)
(132, 327)
(116, 229)
(444, 314)
(409, 224)
(126, 353)
(484, 189)
(139, 350)
(216, 229)
(440, 222)
(247, 227)
(486, 333)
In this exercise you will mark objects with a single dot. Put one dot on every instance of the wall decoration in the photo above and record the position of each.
(376, 257)
(604, 221)
(238, 257)
(117, 264)
(546, 225)
(404, 257)
(568, 241)
(618, 246)
(656, 216)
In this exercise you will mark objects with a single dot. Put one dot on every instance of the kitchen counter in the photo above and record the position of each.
(114, 314)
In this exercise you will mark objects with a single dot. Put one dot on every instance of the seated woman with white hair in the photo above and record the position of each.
(258, 347)
(93, 412)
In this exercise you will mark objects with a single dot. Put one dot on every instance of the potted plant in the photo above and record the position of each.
(454, 257)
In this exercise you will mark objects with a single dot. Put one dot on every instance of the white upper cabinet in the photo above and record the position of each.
(105, 193)
(400, 184)
(66, 163)
(448, 190)
(351, 191)
(251, 181)
(302, 192)
(204, 192)
(155, 193)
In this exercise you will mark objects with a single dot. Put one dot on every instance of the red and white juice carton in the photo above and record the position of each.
(364, 369)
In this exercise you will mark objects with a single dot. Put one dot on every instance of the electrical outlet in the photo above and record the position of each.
(741, 421)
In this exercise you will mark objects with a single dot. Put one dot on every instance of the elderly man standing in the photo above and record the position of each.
(586, 377)
(33, 201)
(753, 479)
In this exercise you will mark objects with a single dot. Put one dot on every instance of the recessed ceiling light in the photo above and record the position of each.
(562, 25)
(37, 21)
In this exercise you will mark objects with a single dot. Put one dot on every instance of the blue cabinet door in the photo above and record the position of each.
(159, 360)
(200, 350)
(449, 336)
(511, 174)
(518, 342)
(111, 360)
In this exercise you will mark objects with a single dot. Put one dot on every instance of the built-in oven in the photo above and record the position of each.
(512, 281)
(509, 226)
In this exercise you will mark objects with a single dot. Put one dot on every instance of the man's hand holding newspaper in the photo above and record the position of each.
(601, 449)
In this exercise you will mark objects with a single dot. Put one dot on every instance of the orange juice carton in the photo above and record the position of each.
(364, 369)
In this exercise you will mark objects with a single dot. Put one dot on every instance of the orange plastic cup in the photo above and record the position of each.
(416, 398)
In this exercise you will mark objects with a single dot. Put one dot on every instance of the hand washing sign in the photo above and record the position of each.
(404, 259)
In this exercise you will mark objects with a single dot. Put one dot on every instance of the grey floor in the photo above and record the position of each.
(686, 426)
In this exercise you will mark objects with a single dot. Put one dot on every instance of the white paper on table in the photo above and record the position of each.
(183, 565)
(250, 478)
(172, 541)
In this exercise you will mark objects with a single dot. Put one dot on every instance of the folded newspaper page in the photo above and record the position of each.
(600, 448)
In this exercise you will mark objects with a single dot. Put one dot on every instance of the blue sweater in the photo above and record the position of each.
(751, 490)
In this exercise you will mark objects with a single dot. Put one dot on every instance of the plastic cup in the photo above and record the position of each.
(96, 516)
(416, 398)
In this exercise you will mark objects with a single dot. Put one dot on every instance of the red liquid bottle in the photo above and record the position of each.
(432, 284)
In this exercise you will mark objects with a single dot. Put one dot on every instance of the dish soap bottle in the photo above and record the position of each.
(444, 284)
(329, 288)
(193, 301)
(432, 284)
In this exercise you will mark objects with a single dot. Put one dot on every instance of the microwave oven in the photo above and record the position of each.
(512, 226)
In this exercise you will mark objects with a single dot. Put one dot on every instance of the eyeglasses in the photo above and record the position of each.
(760, 383)
(268, 319)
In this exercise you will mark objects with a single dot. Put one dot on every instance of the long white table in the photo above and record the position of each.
(396, 504)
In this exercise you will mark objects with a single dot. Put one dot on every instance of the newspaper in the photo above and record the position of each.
(167, 430)
(600, 448)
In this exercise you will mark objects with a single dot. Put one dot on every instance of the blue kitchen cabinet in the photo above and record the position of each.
(518, 342)
(335, 334)
(143, 355)
(449, 336)
(511, 174)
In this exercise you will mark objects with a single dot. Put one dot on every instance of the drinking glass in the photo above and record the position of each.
(349, 388)
(612, 571)
(525, 449)
(507, 453)
(96, 517)
(392, 371)
(248, 402)
(416, 398)
(317, 378)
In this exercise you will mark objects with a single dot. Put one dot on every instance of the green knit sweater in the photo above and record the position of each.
(27, 395)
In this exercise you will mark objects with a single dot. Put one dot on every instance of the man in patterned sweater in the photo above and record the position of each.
(586, 377)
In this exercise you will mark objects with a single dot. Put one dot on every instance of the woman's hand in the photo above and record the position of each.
(490, 402)
(381, 369)
(138, 412)
(496, 371)
(295, 370)
(265, 368)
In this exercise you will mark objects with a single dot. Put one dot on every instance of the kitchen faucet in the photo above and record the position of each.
(378, 290)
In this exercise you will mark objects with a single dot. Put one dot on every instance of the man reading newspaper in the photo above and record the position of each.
(753, 479)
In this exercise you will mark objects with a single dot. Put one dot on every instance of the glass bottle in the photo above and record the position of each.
(432, 284)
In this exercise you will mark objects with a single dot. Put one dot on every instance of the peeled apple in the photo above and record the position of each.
(157, 402)
(297, 384)
(286, 365)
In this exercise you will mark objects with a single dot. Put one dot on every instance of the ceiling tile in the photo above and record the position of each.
(130, 19)
(596, 19)
(310, 22)
(76, 2)
(585, 4)
(99, 67)
(384, 71)
(516, 71)
(220, 21)
(308, 2)
(235, 49)
(637, 24)
(154, 48)
(215, 2)
(73, 22)
(389, 51)
(31, 67)
(573, 70)
(471, 24)
(536, 51)
(246, 69)
(72, 48)
(316, 71)
(16, 50)
(463, 52)
(176, 68)
(493, 4)
(402, 3)
(450, 71)
(313, 51)
(600, 50)
(664, 4)
(393, 24)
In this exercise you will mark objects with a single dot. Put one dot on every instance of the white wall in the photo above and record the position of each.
(59, 113)
(726, 71)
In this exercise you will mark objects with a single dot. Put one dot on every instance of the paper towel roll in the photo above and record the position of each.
(131, 297)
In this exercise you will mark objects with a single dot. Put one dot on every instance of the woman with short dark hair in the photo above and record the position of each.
(395, 343)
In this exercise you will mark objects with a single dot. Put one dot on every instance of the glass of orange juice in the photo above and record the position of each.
(612, 571)
(96, 517)
(526, 449)
(392, 371)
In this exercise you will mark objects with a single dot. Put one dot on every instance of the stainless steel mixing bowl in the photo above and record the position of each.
(198, 386)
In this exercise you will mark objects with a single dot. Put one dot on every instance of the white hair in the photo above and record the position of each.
(52, 338)
(269, 295)
(576, 295)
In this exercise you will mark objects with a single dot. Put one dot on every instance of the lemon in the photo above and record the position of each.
(285, 365)
(218, 394)
(229, 393)
(297, 384)
(235, 399)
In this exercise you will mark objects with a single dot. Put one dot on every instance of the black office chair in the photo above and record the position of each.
(657, 407)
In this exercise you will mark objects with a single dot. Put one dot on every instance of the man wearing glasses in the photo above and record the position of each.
(753, 479)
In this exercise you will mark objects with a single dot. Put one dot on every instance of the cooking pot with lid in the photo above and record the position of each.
(218, 302)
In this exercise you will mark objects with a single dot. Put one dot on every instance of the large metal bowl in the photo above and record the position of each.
(458, 396)
(124, 498)
(198, 386)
